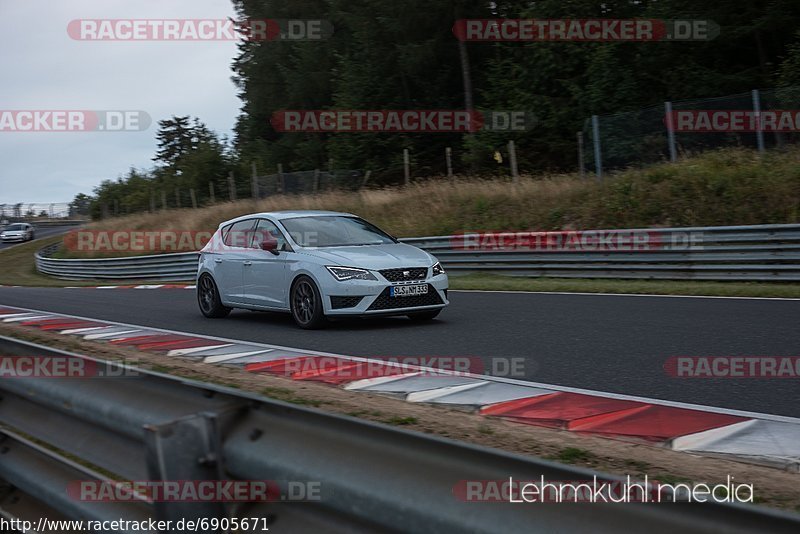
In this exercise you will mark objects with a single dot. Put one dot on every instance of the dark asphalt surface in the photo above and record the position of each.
(40, 232)
(610, 343)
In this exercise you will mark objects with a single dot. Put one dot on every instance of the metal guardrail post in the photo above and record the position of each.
(186, 449)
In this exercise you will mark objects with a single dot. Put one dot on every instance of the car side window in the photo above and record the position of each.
(264, 226)
(239, 233)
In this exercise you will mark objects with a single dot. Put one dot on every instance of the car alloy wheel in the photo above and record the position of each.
(208, 298)
(306, 304)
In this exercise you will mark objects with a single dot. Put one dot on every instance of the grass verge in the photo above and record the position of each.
(18, 268)
(489, 282)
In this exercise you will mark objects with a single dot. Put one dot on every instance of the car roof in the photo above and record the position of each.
(288, 214)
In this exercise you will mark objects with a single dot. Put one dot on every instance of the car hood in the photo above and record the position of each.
(389, 256)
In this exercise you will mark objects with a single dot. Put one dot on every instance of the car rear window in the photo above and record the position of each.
(238, 233)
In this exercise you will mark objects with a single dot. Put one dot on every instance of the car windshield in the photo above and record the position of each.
(334, 231)
(14, 228)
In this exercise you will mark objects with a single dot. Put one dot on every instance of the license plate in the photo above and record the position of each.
(408, 291)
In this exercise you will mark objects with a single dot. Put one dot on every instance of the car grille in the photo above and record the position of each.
(396, 275)
(338, 303)
(385, 302)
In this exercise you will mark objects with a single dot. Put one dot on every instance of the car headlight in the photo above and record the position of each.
(350, 273)
(437, 269)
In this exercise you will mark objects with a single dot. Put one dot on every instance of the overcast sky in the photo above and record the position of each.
(42, 68)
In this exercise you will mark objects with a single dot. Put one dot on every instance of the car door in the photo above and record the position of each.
(229, 262)
(264, 272)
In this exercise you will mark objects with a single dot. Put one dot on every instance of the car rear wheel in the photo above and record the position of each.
(208, 298)
(424, 316)
(306, 304)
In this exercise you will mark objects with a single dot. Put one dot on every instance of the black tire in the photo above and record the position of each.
(305, 302)
(425, 316)
(208, 298)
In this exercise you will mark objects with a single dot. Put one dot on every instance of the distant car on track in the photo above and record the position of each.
(17, 232)
(316, 265)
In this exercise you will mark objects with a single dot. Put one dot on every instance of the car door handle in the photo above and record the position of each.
(247, 263)
(217, 260)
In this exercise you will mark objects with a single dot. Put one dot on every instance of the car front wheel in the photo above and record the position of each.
(306, 304)
(208, 298)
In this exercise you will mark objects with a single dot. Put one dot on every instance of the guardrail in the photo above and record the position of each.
(756, 253)
(130, 424)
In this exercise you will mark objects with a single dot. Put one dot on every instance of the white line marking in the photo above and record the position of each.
(81, 330)
(225, 357)
(375, 381)
(124, 333)
(184, 352)
(25, 318)
(616, 294)
(430, 394)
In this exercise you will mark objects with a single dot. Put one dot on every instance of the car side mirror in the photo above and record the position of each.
(270, 244)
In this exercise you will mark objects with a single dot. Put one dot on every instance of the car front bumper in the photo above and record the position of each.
(12, 238)
(375, 299)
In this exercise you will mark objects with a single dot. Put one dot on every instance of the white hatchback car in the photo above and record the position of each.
(17, 232)
(316, 264)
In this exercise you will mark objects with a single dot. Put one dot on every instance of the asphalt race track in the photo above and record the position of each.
(42, 231)
(609, 343)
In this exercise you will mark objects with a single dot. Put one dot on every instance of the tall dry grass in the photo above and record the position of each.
(724, 187)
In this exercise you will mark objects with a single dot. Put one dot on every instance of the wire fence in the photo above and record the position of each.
(24, 211)
(647, 135)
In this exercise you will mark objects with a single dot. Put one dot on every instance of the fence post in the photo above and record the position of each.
(581, 164)
(512, 159)
(281, 183)
(231, 187)
(406, 170)
(448, 157)
(194, 198)
(757, 109)
(211, 192)
(673, 152)
(598, 157)
(366, 178)
(316, 180)
(253, 181)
